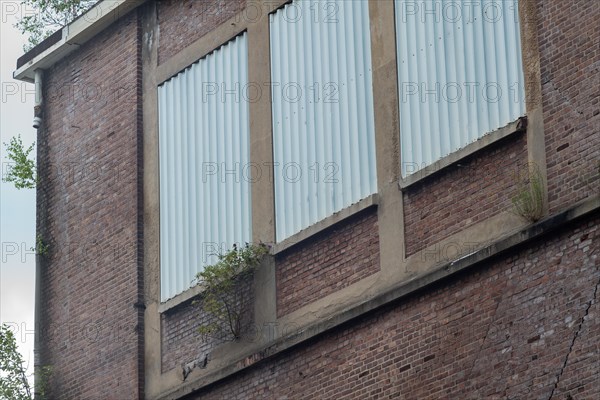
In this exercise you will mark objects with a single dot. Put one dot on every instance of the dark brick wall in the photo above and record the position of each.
(515, 328)
(181, 341)
(478, 188)
(182, 22)
(328, 262)
(569, 38)
(87, 210)
(511, 328)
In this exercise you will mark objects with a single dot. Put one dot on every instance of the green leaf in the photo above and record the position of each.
(13, 381)
(529, 199)
(21, 172)
(223, 298)
(44, 17)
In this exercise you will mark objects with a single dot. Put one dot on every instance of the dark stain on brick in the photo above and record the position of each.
(533, 339)
(584, 237)
(562, 147)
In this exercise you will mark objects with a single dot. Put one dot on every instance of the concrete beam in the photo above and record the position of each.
(512, 242)
(81, 30)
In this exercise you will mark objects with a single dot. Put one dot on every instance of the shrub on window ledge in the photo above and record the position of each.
(529, 200)
(227, 296)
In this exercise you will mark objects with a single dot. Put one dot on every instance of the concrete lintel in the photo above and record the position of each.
(219, 36)
(326, 223)
(180, 299)
(273, 5)
(202, 47)
(251, 358)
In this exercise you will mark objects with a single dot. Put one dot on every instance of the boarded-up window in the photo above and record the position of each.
(205, 204)
(323, 128)
(460, 74)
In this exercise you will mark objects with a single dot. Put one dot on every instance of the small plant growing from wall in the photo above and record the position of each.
(529, 200)
(42, 379)
(41, 247)
(226, 296)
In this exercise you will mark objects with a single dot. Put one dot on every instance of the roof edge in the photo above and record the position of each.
(70, 37)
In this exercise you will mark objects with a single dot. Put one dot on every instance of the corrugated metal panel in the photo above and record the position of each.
(323, 129)
(460, 74)
(204, 154)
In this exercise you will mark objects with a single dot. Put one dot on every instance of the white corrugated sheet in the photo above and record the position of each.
(460, 74)
(323, 129)
(205, 204)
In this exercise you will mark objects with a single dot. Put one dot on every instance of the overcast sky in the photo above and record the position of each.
(17, 207)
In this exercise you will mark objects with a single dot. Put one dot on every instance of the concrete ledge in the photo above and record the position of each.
(512, 241)
(82, 29)
(519, 125)
(181, 298)
(189, 294)
(202, 47)
(371, 201)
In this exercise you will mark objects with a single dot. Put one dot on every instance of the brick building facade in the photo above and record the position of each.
(430, 287)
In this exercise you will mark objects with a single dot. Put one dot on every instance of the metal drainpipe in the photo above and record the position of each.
(37, 108)
(37, 122)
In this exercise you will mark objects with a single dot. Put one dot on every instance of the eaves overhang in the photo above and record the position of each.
(72, 36)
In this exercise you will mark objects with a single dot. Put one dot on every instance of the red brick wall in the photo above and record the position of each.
(181, 23)
(327, 262)
(569, 38)
(460, 196)
(88, 202)
(512, 328)
(181, 341)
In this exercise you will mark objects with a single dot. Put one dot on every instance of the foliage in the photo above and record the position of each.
(42, 379)
(41, 18)
(22, 172)
(529, 200)
(225, 297)
(13, 381)
(41, 247)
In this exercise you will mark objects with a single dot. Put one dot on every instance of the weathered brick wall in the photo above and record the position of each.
(569, 38)
(514, 328)
(181, 340)
(89, 148)
(462, 195)
(181, 23)
(327, 262)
